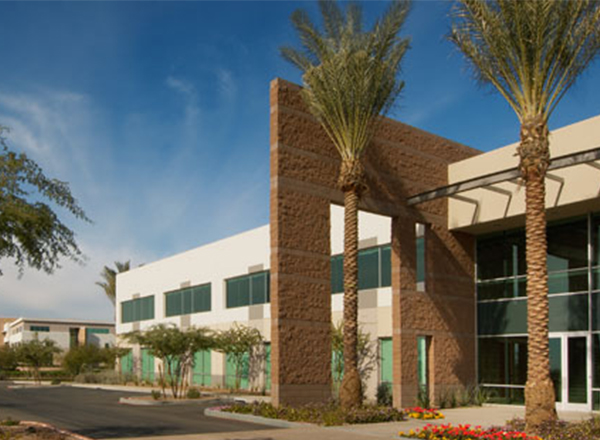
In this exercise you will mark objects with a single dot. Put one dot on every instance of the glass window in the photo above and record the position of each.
(501, 255)
(188, 300)
(374, 269)
(567, 245)
(39, 328)
(386, 362)
(420, 259)
(138, 309)
(503, 361)
(248, 290)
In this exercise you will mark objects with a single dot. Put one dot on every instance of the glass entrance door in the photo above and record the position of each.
(570, 370)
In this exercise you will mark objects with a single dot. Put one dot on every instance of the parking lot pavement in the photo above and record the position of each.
(97, 413)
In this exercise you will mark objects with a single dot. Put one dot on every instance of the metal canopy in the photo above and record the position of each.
(502, 176)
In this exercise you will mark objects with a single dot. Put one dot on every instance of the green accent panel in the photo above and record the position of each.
(127, 363)
(368, 268)
(556, 366)
(173, 303)
(502, 317)
(337, 274)
(386, 360)
(568, 313)
(386, 266)
(202, 372)
(102, 331)
(230, 371)
(267, 366)
(147, 365)
(422, 361)
(420, 259)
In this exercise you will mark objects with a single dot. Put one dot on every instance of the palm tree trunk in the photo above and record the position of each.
(350, 390)
(539, 389)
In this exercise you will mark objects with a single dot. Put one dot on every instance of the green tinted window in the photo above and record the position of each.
(39, 328)
(138, 309)
(248, 290)
(385, 359)
(503, 360)
(104, 331)
(188, 300)
(368, 269)
(337, 274)
(374, 269)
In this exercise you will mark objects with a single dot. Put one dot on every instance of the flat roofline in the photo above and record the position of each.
(60, 321)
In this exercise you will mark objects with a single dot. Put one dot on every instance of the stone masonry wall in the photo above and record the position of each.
(402, 161)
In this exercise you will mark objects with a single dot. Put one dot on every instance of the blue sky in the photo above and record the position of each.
(157, 114)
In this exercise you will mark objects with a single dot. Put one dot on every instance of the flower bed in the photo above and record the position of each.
(423, 413)
(328, 415)
(465, 432)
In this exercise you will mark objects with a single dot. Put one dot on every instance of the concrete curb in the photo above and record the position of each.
(276, 423)
(55, 429)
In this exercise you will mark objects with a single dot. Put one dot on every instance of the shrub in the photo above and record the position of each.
(55, 381)
(384, 394)
(423, 400)
(193, 393)
(156, 395)
(107, 377)
(560, 430)
(328, 415)
(9, 422)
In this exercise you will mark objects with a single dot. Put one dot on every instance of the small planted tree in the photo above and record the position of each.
(36, 354)
(367, 359)
(241, 343)
(176, 348)
(8, 358)
(91, 357)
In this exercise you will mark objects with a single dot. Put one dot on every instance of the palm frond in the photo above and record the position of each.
(349, 75)
(532, 51)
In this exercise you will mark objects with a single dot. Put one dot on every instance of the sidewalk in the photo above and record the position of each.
(488, 415)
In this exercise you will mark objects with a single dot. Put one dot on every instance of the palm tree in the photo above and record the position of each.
(109, 276)
(350, 82)
(532, 52)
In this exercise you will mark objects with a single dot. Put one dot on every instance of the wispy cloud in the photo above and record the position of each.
(227, 84)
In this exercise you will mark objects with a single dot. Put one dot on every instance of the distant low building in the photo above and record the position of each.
(67, 333)
(3, 322)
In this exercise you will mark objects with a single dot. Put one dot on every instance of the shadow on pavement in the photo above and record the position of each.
(125, 431)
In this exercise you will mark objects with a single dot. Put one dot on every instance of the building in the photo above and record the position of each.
(3, 322)
(65, 332)
(442, 267)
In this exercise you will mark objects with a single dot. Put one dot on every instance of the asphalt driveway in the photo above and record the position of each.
(97, 413)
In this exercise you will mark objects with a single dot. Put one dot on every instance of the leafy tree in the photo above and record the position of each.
(367, 358)
(241, 343)
(30, 232)
(36, 354)
(176, 348)
(109, 277)
(89, 357)
(532, 52)
(350, 82)
(8, 358)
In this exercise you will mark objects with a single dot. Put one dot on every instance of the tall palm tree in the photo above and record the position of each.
(350, 81)
(109, 277)
(532, 52)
